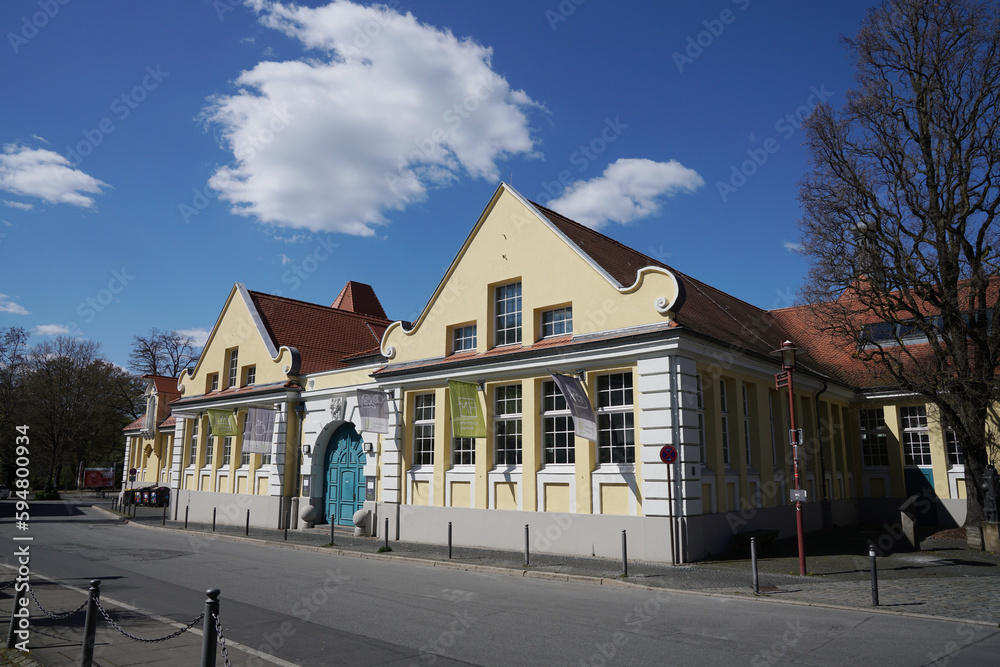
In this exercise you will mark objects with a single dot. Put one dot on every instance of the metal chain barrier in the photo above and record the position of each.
(56, 617)
(117, 627)
(222, 640)
(7, 585)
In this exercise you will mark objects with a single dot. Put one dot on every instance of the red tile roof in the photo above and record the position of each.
(702, 309)
(359, 298)
(230, 392)
(324, 336)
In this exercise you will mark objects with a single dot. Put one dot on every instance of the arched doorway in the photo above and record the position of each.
(345, 483)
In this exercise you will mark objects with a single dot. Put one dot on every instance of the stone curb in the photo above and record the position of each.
(11, 656)
(559, 576)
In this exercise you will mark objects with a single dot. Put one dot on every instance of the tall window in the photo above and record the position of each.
(423, 429)
(955, 455)
(227, 450)
(464, 338)
(616, 434)
(724, 409)
(507, 425)
(463, 451)
(209, 449)
(557, 426)
(251, 375)
(244, 455)
(874, 438)
(234, 368)
(508, 314)
(746, 425)
(557, 322)
(774, 438)
(193, 454)
(916, 438)
(700, 393)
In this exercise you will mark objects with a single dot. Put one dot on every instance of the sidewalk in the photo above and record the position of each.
(59, 641)
(943, 580)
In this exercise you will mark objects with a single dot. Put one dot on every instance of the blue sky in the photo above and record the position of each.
(152, 154)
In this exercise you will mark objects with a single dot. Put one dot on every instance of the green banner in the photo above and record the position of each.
(466, 416)
(223, 422)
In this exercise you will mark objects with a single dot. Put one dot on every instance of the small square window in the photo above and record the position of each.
(464, 338)
(557, 322)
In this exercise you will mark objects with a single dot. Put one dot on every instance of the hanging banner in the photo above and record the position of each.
(466, 417)
(223, 422)
(373, 407)
(260, 429)
(584, 423)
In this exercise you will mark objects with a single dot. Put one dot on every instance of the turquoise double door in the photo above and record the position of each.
(345, 482)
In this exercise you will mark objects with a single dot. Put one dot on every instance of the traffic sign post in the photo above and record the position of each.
(668, 454)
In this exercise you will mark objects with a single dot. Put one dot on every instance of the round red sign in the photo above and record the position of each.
(668, 454)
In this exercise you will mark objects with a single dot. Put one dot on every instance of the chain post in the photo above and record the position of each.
(872, 556)
(90, 624)
(209, 638)
(624, 555)
(527, 550)
(753, 564)
(449, 540)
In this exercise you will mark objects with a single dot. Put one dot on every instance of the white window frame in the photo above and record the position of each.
(506, 306)
(724, 421)
(463, 339)
(746, 426)
(557, 322)
(463, 451)
(916, 439)
(234, 367)
(251, 375)
(193, 454)
(609, 410)
(873, 437)
(508, 425)
(557, 427)
(424, 410)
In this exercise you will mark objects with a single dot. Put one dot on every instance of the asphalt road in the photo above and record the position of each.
(320, 609)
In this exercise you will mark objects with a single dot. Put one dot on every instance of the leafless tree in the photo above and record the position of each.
(13, 343)
(165, 353)
(900, 212)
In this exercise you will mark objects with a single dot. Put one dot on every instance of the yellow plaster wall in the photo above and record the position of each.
(557, 498)
(512, 245)
(235, 329)
(460, 494)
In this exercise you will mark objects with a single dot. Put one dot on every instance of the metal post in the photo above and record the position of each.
(19, 611)
(624, 555)
(164, 522)
(248, 524)
(332, 524)
(209, 637)
(213, 518)
(387, 533)
(799, 527)
(90, 624)
(871, 555)
(286, 533)
(449, 540)
(753, 564)
(527, 551)
(186, 510)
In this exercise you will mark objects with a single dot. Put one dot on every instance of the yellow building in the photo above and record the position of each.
(299, 364)
(149, 439)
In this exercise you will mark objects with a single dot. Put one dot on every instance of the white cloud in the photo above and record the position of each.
(793, 247)
(628, 189)
(50, 330)
(8, 306)
(36, 172)
(285, 259)
(199, 336)
(385, 109)
(17, 204)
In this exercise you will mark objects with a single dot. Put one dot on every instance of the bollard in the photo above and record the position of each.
(332, 524)
(186, 510)
(624, 555)
(19, 611)
(449, 540)
(90, 624)
(209, 637)
(871, 554)
(248, 524)
(753, 564)
(286, 533)
(164, 522)
(527, 553)
(387, 533)
(213, 518)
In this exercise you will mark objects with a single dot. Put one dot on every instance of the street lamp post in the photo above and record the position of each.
(783, 379)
